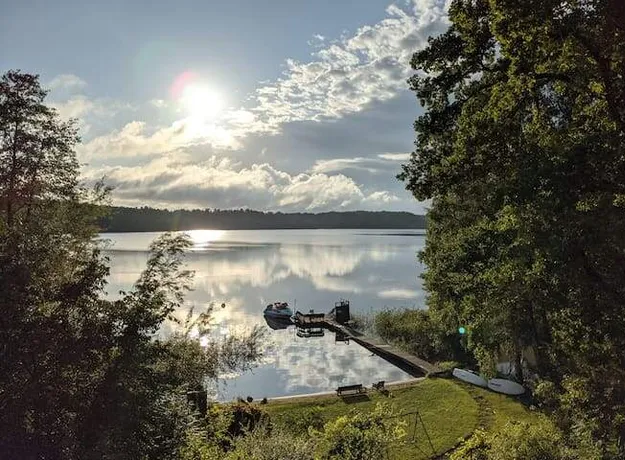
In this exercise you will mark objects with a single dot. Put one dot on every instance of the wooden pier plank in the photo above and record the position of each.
(411, 364)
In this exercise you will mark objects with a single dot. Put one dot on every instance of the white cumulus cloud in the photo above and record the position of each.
(173, 181)
(372, 64)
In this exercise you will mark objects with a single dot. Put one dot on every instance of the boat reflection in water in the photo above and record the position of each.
(277, 322)
(306, 332)
(278, 315)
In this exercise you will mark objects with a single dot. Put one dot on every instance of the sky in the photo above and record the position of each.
(278, 105)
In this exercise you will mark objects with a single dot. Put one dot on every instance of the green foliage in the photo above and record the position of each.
(474, 448)
(521, 151)
(363, 436)
(517, 440)
(83, 377)
(421, 334)
(437, 400)
(303, 420)
(245, 418)
(274, 445)
(540, 441)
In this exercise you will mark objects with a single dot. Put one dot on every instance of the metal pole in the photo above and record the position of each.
(426, 433)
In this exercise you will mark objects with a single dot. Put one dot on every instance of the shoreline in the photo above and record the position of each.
(398, 384)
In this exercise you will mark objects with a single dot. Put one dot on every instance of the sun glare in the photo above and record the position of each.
(201, 102)
(202, 239)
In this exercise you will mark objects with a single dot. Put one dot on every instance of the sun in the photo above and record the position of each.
(201, 102)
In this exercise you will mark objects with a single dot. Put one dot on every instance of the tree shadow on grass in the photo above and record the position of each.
(356, 398)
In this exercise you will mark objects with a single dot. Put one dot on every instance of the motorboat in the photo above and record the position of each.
(278, 310)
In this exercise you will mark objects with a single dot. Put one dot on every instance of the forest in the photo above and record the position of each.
(145, 219)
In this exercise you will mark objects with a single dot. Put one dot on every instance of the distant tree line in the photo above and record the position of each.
(123, 219)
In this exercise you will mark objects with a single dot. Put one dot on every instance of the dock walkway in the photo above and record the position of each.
(411, 364)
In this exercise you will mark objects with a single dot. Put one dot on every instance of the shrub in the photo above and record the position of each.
(419, 333)
(474, 448)
(262, 444)
(539, 441)
(361, 436)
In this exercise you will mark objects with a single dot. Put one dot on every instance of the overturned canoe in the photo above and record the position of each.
(469, 377)
(507, 387)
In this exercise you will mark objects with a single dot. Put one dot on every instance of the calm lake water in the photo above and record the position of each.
(310, 269)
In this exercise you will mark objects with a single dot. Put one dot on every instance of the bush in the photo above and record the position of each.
(540, 441)
(262, 444)
(361, 436)
(419, 333)
(474, 448)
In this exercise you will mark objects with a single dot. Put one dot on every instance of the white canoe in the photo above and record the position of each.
(469, 377)
(507, 387)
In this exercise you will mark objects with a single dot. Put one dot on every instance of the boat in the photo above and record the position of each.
(470, 377)
(507, 387)
(278, 310)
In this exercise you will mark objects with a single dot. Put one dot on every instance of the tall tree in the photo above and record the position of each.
(521, 150)
(82, 377)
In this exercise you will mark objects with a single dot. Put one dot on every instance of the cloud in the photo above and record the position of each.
(137, 139)
(158, 103)
(94, 115)
(174, 181)
(75, 107)
(350, 73)
(395, 156)
(384, 163)
(399, 294)
(351, 98)
(341, 164)
(66, 82)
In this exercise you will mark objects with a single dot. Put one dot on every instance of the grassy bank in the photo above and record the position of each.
(449, 412)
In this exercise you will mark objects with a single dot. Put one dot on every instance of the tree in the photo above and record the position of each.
(521, 150)
(37, 164)
(80, 376)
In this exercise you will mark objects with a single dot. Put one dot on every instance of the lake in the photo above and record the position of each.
(309, 269)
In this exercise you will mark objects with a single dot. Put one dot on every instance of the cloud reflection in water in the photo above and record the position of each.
(246, 270)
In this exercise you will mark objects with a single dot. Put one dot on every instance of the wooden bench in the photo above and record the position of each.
(350, 389)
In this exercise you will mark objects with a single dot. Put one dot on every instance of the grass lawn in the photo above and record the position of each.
(449, 412)
(504, 409)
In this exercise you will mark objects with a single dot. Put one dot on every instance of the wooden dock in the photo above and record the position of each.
(410, 364)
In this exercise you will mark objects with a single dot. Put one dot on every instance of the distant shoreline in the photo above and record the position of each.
(136, 220)
(416, 233)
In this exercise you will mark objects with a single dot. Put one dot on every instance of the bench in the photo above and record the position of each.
(379, 386)
(350, 389)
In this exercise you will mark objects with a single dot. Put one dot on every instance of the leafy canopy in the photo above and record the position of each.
(521, 150)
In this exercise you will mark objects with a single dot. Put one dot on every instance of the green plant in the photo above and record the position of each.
(275, 444)
(363, 436)
(538, 441)
(474, 448)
